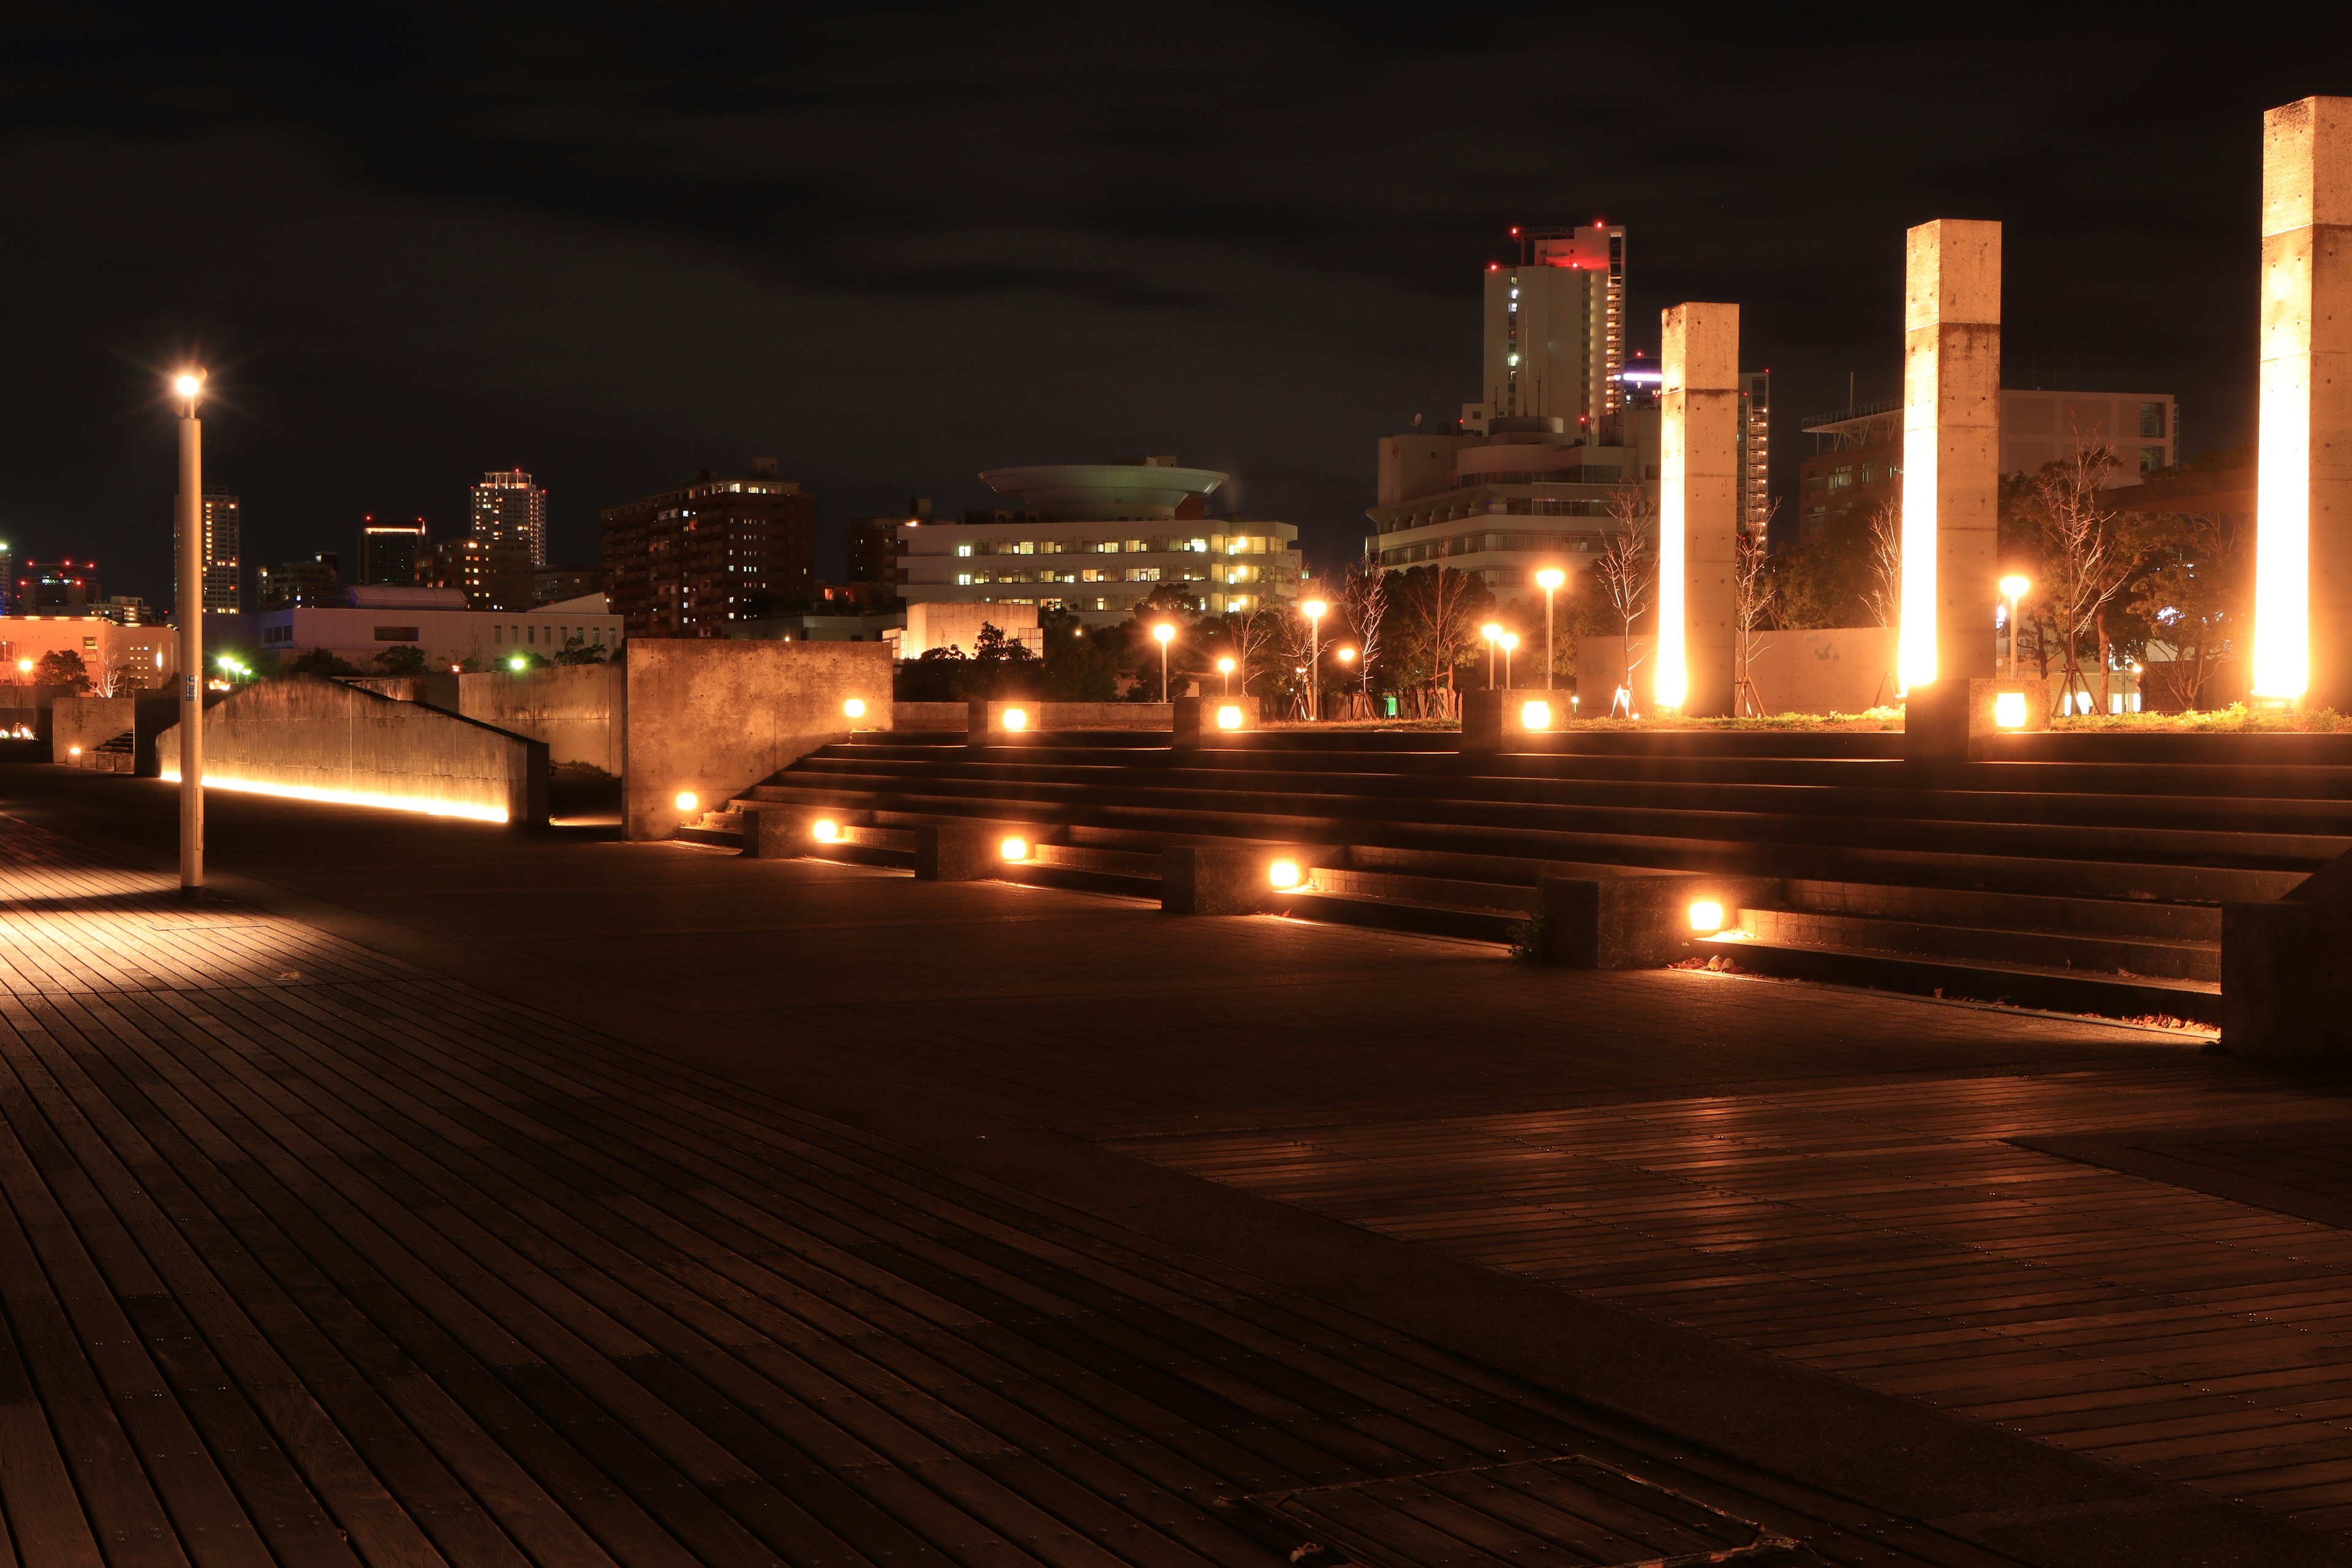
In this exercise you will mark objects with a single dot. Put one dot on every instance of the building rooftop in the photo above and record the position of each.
(1142, 489)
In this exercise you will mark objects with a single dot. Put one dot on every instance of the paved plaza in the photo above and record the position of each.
(440, 1193)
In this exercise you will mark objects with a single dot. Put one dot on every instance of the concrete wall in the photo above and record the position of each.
(575, 709)
(79, 725)
(1839, 670)
(437, 690)
(929, 715)
(713, 717)
(28, 708)
(311, 737)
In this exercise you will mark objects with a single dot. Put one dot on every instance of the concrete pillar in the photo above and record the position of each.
(1698, 508)
(1951, 450)
(2302, 507)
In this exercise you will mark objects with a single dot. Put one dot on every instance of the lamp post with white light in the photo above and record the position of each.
(1548, 580)
(1225, 669)
(188, 387)
(2013, 589)
(1313, 609)
(1493, 633)
(1508, 641)
(1164, 634)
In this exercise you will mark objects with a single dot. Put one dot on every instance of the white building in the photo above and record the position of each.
(374, 618)
(1096, 538)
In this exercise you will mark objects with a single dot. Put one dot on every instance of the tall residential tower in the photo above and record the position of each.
(1555, 331)
(222, 518)
(508, 509)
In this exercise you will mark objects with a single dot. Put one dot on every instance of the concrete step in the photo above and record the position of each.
(2126, 956)
(1981, 980)
(2142, 919)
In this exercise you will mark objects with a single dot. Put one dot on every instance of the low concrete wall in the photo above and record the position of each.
(310, 737)
(575, 709)
(929, 715)
(28, 708)
(1834, 669)
(712, 717)
(437, 689)
(79, 725)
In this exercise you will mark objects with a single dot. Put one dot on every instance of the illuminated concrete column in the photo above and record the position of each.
(1951, 450)
(1698, 506)
(2302, 507)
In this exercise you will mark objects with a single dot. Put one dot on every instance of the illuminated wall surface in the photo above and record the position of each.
(309, 738)
(1951, 450)
(2303, 507)
(1698, 506)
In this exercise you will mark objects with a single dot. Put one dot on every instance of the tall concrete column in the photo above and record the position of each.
(2302, 507)
(1951, 450)
(1698, 507)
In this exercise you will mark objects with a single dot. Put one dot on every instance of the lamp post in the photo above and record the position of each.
(2013, 589)
(1165, 634)
(1548, 580)
(1313, 610)
(1510, 641)
(188, 387)
(1225, 669)
(1493, 634)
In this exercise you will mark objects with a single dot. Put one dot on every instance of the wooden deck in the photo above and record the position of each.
(2141, 1265)
(309, 1257)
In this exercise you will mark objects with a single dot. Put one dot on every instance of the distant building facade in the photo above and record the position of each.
(63, 587)
(1094, 539)
(688, 561)
(550, 585)
(1554, 329)
(128, 610)
(1856, 463)
(317, 581)
(437, 620)
(1755, 451)
(493, 575)
(389, 551)
(873, 544)
(508, 509)
(221, 520)
(117, 658)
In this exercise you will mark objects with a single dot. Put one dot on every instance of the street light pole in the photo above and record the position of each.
(1166, 633)
(1314, 609)
(1510, 641)
(190, 385)
(1548, 579)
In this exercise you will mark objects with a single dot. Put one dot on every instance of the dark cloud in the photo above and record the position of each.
(894, 244)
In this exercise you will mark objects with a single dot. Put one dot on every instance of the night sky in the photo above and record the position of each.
(894, 244)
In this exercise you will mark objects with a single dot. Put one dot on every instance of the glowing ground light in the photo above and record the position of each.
(1706, 915)
(1229, 717)
(1283, 873)
(825, 830)
(686, 801)
(855, 708)
(1536, 716)
(1017, 718)
(2009, 711)
(1013, 848)
(518, 664)
(428, 805)
(73, 751)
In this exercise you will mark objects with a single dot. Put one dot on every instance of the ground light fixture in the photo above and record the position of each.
(855, 708)
(2009, 711)
(1283, 874)
(73, 751)
(1016, 719)
(518, 664)
(825, 830)
(1013, 848)
(1706, 917)
(1536, 715)
(1229, 717)
(687, 800)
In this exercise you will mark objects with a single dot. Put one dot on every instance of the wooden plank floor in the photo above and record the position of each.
(306, 1256)
(1895, 1234)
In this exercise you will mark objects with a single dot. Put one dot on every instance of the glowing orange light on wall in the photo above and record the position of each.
(427, 805)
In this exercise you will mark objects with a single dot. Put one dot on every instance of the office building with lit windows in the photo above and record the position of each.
(222, 519)
(1094, 539)
(694, 559)
(506, 508)
(1554, 330)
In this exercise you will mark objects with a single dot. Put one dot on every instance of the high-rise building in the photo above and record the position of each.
(9, 603)
(317, 581)
(874, 544)
(1755, 451)
(56, 587)
(222, 519)
(389, 552)
(508, 508)
(1555, 332)
(493, 575)
(683, 562)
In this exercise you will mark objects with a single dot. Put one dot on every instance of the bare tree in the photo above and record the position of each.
(1753, 591)
(1365, 598)
(1884, 594)
(2080, 548)
(1625, 569)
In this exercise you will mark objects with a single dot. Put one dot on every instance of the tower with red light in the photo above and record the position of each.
(1555, 330)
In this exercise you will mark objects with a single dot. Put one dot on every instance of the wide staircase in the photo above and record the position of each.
(2076, 872)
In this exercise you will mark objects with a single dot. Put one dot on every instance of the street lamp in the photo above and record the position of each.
(1493, 634)
(1166, 633)
(188, 387)
(1225, 669)
(2013, 588)
(1548, 580)
(1510, 641)
(1313, 609)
